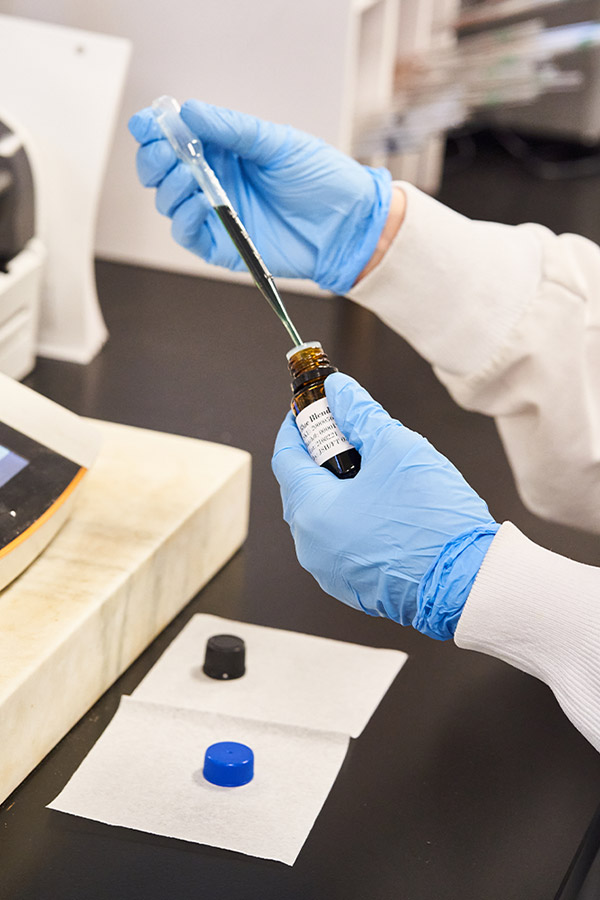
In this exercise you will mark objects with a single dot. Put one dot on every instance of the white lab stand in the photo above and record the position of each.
(63, 86)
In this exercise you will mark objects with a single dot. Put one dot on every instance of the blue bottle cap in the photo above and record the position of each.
(228, 764)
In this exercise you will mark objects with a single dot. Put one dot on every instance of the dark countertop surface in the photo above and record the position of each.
(481, 789)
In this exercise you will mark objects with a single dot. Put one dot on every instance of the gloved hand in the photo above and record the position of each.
(311, 211)
(404, 538)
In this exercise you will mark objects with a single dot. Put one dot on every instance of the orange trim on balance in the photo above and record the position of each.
(46, 515)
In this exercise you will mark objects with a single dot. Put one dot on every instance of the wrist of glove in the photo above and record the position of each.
(445, 587)
(403, 539)
(312, 211)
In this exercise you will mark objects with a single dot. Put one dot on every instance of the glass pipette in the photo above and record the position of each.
(189, 150)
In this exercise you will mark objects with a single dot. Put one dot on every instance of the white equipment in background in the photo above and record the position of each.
(45, 451)
(63, 86)
(22, 254)
(572, 32)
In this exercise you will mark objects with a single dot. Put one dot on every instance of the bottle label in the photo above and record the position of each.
(319, 432)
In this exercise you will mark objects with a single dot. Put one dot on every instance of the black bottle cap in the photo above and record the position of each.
(225, 657)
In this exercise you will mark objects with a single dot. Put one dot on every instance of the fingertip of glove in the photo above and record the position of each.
(192, 107)
(154, 160)
(288, 434)
(288, 460)
(188, 220)
(338, 381)
(288, 443)
(197, 113)
(134, 124)
(143, 126)
(342, 388)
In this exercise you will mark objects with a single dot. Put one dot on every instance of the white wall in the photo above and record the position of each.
(282, 60)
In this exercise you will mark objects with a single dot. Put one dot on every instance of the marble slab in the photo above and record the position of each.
(157, 516)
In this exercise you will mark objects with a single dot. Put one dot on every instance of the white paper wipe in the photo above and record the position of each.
(293, 679)
(145, 772)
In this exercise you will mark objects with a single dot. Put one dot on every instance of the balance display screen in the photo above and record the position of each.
(10, 464)
(33, 478)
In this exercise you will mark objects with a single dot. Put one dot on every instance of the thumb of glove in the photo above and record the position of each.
(244, 135)
(360, 418)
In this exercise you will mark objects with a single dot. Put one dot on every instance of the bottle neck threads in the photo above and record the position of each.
(307, 362)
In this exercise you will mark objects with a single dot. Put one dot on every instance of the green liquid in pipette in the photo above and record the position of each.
(261, 275)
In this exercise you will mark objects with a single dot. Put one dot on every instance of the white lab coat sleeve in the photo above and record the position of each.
(509, 317)
(540, 612)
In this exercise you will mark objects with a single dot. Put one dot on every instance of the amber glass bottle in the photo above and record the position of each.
(309, 367)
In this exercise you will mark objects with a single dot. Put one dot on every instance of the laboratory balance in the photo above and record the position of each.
(45, 452)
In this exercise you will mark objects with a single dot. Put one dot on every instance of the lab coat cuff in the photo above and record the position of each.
(454, 288)
(540, 612)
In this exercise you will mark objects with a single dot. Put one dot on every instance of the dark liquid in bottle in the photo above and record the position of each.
(345, 465)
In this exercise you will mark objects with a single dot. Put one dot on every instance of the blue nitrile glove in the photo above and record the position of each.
(404, 538)
(311, 211)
